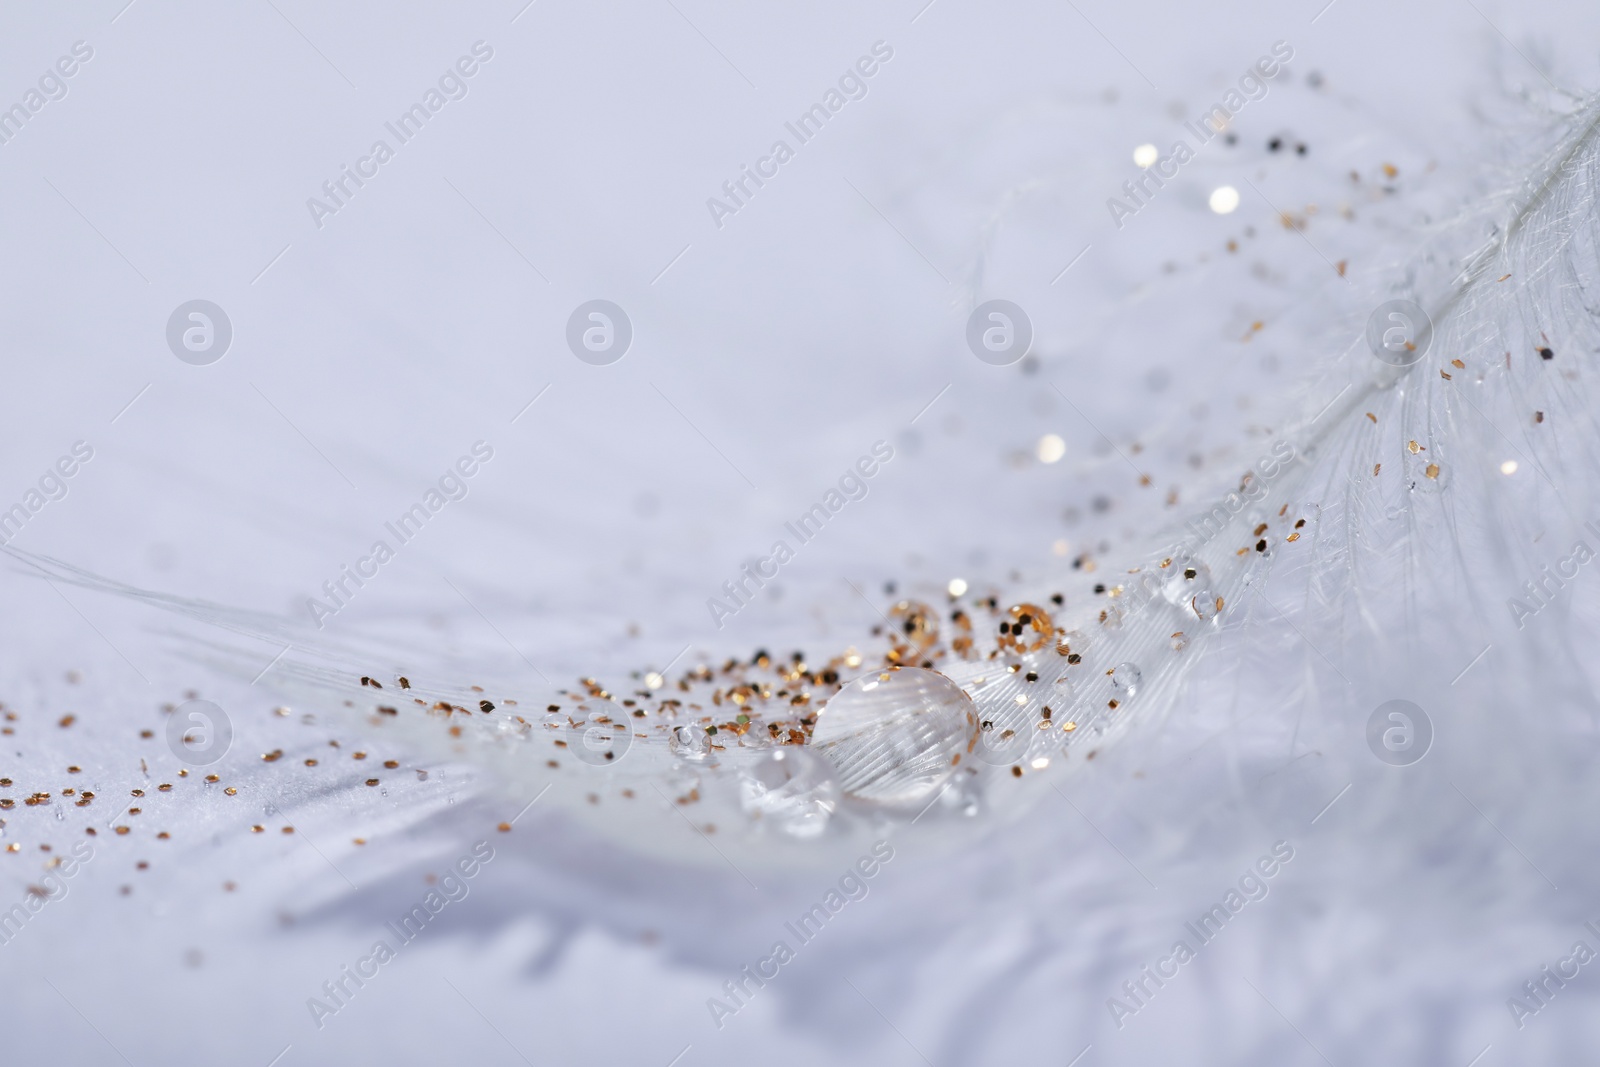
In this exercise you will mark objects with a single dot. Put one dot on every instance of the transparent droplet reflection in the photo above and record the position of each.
(963, 796)
(896, 736)
(790, 788)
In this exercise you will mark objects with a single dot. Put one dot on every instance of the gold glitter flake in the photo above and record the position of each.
(916, 622)
(1027, 629)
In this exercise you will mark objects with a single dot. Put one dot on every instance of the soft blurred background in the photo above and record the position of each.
(373, 347)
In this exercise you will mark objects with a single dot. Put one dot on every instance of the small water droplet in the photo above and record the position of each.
(1183, 577)
(792, 788)
(690, 742)
(1204, 605)
(1125, 678)
(1427, 475)
(896, 736)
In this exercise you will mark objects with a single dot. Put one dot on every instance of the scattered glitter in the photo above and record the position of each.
(917, 621)
(1028, 628)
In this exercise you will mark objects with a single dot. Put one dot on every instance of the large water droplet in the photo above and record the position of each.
(790, 788)
(896, 736)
